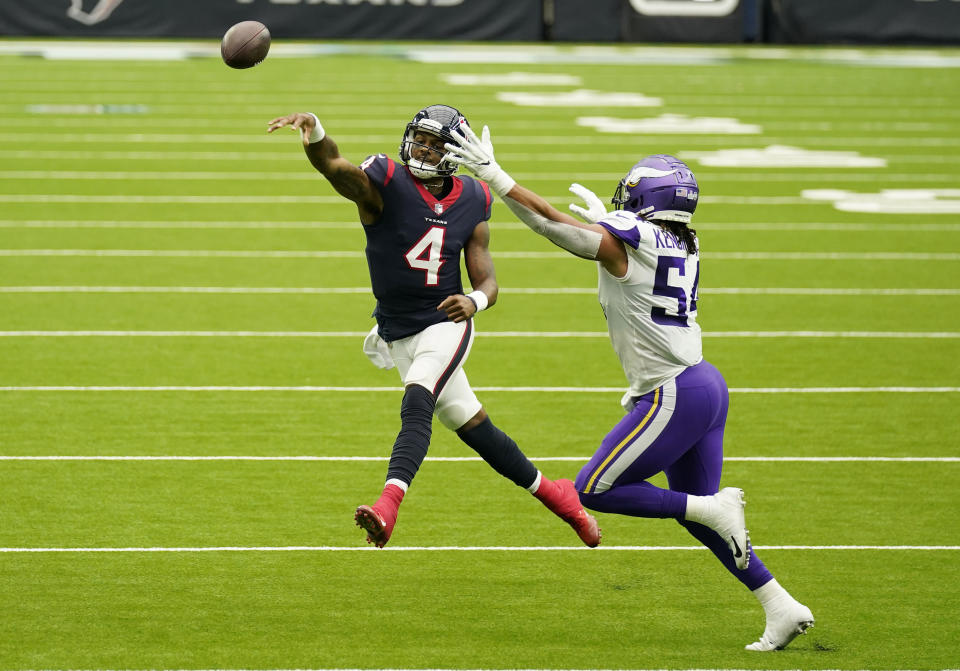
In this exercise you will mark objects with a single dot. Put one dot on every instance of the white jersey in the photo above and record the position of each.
(651, 311)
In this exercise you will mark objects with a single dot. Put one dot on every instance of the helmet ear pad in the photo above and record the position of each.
(440, 121)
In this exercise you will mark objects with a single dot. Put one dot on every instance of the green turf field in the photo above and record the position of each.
(176, 283)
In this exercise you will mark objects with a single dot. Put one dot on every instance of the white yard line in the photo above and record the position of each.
(511, 669)
(470, 548)
(833, 256)
(189, 253)
(293, 157)
(833, 291)
(167, 224)
(937, 335)
(799, 291)
(151, 199)
(184, 290)
(108, 457)
(324, 200)
(166, 155)
(389, 669)
(355, 254)
(67, 137)
(563, 176)
(495, 225)
(551, 390)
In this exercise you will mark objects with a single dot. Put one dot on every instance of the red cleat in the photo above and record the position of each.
(566, 505)
(378, 520)
(378, 529)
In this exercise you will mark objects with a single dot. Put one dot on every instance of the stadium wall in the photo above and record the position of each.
(481, 20)
(692, 21)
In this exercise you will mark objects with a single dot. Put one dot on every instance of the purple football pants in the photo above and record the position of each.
(676, 429)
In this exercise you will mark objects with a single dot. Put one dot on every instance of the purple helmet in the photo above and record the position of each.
(439, 120)
(659, 187)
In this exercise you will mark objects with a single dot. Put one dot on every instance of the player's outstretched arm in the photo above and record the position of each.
(349, 181)
(586, 240)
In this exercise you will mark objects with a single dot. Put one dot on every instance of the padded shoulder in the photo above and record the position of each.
(624, 225)
(475, 186)
(379, 168)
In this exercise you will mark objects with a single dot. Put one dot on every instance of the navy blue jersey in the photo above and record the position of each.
(413, 249)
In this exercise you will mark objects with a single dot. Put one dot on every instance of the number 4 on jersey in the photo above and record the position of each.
(426, 254)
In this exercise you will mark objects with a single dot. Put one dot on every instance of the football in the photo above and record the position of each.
(245, 44)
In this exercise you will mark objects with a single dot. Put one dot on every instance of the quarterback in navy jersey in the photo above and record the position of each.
(420, 220)
(648, 263)
(434, 231)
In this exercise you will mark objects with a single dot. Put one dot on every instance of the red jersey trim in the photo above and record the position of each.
(486, 192)
(431, 201)
(390, 168)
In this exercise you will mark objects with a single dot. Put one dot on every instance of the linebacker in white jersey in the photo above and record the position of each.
(649, 268)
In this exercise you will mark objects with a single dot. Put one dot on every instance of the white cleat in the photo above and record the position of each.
(729, 522)
(783, 625)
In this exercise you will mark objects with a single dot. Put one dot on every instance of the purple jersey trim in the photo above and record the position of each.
(631, 236)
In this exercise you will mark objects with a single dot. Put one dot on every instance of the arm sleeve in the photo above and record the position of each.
(579, 241)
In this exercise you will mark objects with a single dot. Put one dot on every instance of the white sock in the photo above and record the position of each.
(771, 594)
(536, 484)
(399, 483)
(699, 509)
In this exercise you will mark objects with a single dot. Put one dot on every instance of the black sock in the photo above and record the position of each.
(416, 425)
(499, 450)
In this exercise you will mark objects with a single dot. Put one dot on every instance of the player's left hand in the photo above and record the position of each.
(472, 152)
(458, 308)
(594, 211)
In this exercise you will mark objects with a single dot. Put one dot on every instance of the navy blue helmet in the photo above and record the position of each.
(439, 120)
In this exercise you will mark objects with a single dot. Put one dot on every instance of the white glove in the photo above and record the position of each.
(476, 155)
(595, 210)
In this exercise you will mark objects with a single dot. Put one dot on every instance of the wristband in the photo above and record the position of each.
(501, 183)
(479, 299)
(317, 133)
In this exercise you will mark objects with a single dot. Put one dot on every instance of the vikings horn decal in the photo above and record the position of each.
(641, 171)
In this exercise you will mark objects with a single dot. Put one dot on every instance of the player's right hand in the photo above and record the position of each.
(458, 308)
(595, 210)
(299, 121)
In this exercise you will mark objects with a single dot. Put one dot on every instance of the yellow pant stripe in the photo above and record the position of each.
(626, 441)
